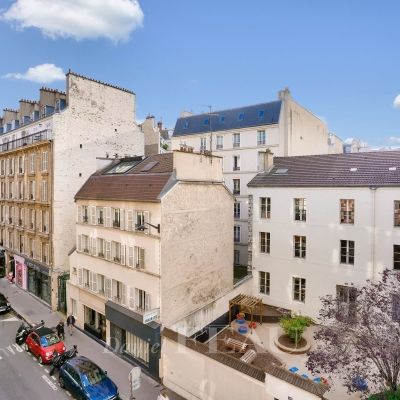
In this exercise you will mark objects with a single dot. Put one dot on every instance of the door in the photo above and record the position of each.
(35, 344)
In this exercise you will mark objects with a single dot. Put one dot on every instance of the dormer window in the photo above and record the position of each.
(261, 114)
(222, 119)
(186, 125)
(240, 116)
(206, 121)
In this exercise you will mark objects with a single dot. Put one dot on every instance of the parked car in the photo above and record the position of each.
(5, 306)
(85, 380)
(42, 342)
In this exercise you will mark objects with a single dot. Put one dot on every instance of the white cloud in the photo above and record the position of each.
(394, 139)
(44, 73)
(396, 102)
(77, 19)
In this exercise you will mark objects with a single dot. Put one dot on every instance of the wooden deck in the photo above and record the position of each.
(269, 314)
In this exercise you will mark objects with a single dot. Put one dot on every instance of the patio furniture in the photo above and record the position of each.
(249, 356)
(293, 369)
(242, 329)
(317, 380)
(304, 376)
(235, 345)
(246, 303)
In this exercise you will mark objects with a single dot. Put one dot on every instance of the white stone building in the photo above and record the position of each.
(92, 119)
(323, 224)
(242, 136)
(154, 246)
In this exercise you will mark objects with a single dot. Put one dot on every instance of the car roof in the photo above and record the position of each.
(43, 331)
(82, 364)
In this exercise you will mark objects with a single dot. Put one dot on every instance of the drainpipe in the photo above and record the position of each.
(373, 233)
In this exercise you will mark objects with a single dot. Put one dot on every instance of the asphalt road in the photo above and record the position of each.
(21, 376)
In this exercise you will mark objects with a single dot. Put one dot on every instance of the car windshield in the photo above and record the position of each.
(92, 376)
(49, 340)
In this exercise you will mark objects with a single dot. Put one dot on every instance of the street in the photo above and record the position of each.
(21, 376)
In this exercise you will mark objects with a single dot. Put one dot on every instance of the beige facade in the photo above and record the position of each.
(124, 262)
(295, 131)
(56, 141)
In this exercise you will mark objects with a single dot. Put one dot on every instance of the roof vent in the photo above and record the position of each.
(392, 168)
(353, 169)
(281, 171)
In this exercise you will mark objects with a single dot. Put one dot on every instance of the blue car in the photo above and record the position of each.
(86, 381)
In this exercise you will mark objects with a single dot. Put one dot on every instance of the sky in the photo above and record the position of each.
(340, 59)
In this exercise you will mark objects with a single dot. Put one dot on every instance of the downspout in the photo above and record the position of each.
(373, 232)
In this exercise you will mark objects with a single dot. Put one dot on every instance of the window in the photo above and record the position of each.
(396, 256)
(236, 186)
(32, 163)
(397, 213)
(11, 166)
(101, 284)
(32, 190)
(236, 234)
(116, 251)
(101, 244)
(222, 119)
(44, 191)
(118, 292)
(346, 297)
(260, 138)
(347, 252)
(186, 125)
(45, 253)
(2, 168)
(236, 163)
(236, 140)
(45, 161)
(141, 218)
(264, 282)
(236, 257)
(20, 164)
(220, 142)
(139, 257)
(142, 300)
(100, 215)
(299, 246)
(73, 308)
(261, 114)
(240, 116)
(347, 211)
(300, 206)
(236, 210)
(203, 144)
(85, 214)
(10, 189)
(265, 242)
(265, 207)
(137, 347)
(45, 221)
(85, 243)
(116, 213)
(206, 121)
(299, 289)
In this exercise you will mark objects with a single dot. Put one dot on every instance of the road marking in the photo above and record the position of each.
(68, 393)
(40, 365)
(18, 348)
(9, 348)
(10, 319)
(49, 382)
(53, 377)
(47, 370)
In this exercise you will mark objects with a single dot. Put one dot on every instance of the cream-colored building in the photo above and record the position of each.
(323, 225)
(242, 136)
(154, 246)
(48, 149)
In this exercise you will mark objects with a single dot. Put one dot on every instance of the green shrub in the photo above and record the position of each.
(294, 327)
(390, 395)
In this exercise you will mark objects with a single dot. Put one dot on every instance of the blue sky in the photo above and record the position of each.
(340, 59)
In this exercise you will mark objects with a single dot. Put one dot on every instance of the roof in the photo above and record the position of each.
(255, 115)
(248, 369)
(380, 168)
(43, 331)
(144, 181)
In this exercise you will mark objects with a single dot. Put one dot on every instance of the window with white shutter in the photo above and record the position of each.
(80, 277)
(94, 242)
(122, 219)
(79, 220)
(108, 288)
(131, 256)
(123, 294)
(108, 250)
(94, 282)
(139, 257)
(108, 217)
(129, 220)
(79, 243)
(123, 254)
(132, 298)
(93, 215)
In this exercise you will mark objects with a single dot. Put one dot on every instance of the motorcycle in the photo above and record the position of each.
(22, 333)
(59, 359)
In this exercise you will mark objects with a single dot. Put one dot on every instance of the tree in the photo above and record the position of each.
(359, 335)
(294, 327)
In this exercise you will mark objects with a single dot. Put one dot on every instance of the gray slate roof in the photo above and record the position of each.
(255, 115)
(380, 168)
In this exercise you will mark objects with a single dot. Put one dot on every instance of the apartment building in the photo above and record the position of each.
(48, 149)
(323, 225)
(242, 136)
(154, 246)
(156, 137)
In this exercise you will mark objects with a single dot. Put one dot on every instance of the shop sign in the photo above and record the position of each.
(151, 315)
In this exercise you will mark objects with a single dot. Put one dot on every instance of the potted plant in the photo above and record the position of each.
(294, 327)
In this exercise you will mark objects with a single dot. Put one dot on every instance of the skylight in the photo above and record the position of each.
(122, 167)
(280, 171)
(149, 166)
(392, 168)
(353, 169)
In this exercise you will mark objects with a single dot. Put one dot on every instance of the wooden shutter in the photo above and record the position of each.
(131, 256)
(122, 219)
(79, 220)
(123, 254)
(93, 215)
(147, 219)
(132, 297)
(94, 282)
(123, 294)
(108, 250)
(107, 284)
(94, 242)
(108, 217)
(79, 242)
(80, 277)
(129, 220)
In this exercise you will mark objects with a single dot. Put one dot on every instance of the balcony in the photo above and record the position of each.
(27, 140)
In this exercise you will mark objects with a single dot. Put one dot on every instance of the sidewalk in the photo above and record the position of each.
(33, 311)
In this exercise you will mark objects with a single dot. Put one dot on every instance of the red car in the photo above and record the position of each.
(42, 343)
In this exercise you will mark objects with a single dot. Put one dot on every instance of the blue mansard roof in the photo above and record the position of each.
(235, 118)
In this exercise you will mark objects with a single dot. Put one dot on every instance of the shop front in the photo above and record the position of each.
(20, 272)
(95, 323)
(132, 338)
(3, 270)
(39, 280)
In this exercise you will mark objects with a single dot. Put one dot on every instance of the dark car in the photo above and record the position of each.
(5, 306)
(86, 381)
(42, 343)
